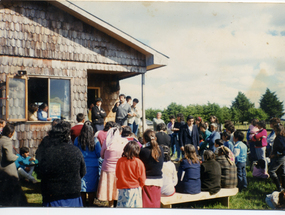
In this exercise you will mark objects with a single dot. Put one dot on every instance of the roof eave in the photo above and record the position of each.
(154, 59)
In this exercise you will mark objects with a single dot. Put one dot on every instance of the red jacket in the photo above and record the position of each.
(130, 173)
(75, 131)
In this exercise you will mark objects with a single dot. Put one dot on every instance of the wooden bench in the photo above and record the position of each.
(224, 196)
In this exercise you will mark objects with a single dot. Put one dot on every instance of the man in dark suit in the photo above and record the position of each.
(189, 134)
(98, 116)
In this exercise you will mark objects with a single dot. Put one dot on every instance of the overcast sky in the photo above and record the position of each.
(214, 49)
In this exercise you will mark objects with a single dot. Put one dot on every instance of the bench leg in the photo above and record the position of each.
(225, 201)
(166, 206)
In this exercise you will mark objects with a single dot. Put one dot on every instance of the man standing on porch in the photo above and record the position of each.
(123, 110)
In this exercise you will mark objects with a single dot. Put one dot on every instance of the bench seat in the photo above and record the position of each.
(223, 195)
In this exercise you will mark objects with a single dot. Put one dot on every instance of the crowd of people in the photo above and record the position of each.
(109, 162)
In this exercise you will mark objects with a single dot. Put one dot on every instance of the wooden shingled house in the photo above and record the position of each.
(56, 52)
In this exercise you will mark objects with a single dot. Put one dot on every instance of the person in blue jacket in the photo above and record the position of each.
(213, 137)
(240, 152)
(42, 113)
(189, 172)
(91, 154)
(25, 165)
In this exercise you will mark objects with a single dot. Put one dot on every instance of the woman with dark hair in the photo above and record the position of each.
(163, 139)
(189, 172)
(33, 112)
(61, 166)
(130, 172)
(127, 133)
(198, 121)
(111, 151)
(278, 156)
(91, 153)
(101, 135)
(152, 157)
(169, 175)
(7, 157)
(42, 112)
(210, 173)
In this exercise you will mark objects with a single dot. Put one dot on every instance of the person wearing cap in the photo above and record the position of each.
(213, 137)
(98, 116)
(122, 110)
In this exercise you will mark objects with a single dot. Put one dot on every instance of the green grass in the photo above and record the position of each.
(32, 192)
(251, 198)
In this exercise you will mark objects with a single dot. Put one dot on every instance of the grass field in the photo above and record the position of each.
(251, 198)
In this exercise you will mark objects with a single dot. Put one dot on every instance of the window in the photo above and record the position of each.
(60, 98)
(16, 98)
(17, 92)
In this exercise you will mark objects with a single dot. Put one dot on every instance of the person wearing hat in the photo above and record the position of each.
(213, 136)
(98, 116)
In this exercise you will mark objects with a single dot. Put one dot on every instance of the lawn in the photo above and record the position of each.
(252, 198)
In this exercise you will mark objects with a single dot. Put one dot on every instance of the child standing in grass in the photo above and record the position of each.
(240, 152)
(130, 172)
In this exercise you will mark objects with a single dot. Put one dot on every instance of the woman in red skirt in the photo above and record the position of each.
(152, 156)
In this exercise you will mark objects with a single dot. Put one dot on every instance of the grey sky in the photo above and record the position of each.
(215, 49)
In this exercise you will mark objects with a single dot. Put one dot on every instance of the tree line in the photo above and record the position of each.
(241, 110)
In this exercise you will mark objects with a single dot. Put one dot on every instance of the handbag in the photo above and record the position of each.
(258, 143)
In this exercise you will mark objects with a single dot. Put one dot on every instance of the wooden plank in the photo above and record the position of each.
(181, 197)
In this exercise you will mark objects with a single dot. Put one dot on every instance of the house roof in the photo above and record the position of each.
(154, 59)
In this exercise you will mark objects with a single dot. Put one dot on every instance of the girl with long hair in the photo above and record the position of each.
(152, 157)
(91, 153)
(189, 172)
(130, 172)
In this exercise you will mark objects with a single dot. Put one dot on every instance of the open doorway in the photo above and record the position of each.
(92, 94)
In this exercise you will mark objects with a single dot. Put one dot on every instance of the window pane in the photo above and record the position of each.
(17, 98)
(37, 90)
(60, 94)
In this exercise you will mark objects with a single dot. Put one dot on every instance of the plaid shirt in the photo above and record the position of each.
(229, 172)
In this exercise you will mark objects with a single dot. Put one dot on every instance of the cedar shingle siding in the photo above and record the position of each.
(40, 30)
(45, 41)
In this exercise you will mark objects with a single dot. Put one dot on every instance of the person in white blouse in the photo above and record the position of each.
(134, 118)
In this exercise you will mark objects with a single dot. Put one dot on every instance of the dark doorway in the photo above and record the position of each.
(92, 94)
